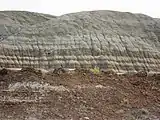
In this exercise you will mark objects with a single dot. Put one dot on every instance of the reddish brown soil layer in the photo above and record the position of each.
(79, 95)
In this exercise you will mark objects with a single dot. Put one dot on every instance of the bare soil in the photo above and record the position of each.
(78, 95)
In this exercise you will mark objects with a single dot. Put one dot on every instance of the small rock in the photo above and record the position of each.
(144, 111)
(3, 72)
(86, 118)
(100, 86)
(141, 74)
(120, 111)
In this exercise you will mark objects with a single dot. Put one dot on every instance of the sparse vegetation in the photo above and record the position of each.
(95, 70)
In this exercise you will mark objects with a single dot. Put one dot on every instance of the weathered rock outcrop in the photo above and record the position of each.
(107, 39)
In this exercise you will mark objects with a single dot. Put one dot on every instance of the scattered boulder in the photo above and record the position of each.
(141, 74)
(3, 72)
(59, 71)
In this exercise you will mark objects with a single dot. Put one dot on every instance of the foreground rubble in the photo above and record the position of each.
(29, 94)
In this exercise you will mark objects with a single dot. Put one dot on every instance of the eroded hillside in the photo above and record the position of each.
(107, 39)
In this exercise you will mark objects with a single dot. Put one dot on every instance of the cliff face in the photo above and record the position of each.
(107, 39)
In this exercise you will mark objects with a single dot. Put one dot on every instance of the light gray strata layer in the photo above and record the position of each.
(107, 39)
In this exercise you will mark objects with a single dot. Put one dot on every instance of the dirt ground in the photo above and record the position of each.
(78, 95)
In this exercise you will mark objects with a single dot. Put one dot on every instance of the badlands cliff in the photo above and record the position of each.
(107, 39)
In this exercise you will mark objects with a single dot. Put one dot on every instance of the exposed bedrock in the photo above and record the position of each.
(107, 39)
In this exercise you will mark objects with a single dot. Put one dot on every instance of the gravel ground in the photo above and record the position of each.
(78, 95)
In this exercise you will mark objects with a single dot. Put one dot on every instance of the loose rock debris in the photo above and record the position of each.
(26, 95)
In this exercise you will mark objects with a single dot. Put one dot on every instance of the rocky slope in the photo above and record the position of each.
(107, 39)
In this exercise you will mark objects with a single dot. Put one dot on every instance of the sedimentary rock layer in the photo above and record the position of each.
(107, 39)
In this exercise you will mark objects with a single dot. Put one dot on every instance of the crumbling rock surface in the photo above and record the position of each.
(110, 40)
